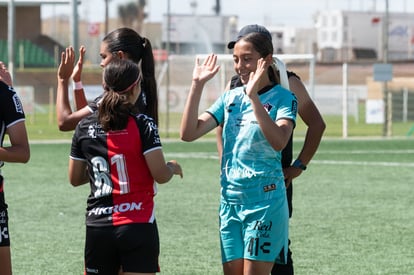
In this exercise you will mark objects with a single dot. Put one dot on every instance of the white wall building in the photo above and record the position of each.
(351, 35)
(189, 34)
(292, 40)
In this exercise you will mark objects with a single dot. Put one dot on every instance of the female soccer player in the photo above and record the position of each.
(258, 119)
(122, 43)
(12, 123)
(118, 151)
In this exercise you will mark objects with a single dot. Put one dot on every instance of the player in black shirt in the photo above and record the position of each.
(118, 151)
(12, 123)
(122, 43)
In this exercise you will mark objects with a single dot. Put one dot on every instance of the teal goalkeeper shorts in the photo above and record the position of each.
(256, 231)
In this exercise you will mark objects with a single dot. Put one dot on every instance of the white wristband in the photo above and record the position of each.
(77, 85)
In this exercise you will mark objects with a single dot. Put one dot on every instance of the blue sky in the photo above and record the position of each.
(296, 13)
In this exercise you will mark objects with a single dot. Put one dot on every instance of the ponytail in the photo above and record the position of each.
(150, 106)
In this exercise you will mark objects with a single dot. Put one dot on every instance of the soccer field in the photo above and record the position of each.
(353, 210)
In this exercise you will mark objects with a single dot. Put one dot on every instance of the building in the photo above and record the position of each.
(189, 34)
(31, 47)
(354, 35)
(292, 40)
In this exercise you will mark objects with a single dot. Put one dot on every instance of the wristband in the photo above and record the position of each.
(77, 85)
(298, 164)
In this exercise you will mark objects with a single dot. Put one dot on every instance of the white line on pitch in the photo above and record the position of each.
(207, 155)
(366, 163)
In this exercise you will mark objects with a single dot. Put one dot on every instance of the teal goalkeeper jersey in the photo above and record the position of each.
(251, 169)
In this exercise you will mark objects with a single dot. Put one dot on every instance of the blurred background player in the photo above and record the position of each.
(12, 123)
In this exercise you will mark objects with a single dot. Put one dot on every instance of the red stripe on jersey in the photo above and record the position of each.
(133, 185)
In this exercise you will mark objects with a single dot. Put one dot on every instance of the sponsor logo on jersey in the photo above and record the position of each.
(268, 107)
(4, 231)
(294, 106)
(269, 187)
(18, 104)
(94, 130)
(117, 208)
(92, 270)
(153, 128)
(240, 172)
(231, 105)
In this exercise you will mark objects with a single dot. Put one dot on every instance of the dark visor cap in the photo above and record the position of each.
(249, 29)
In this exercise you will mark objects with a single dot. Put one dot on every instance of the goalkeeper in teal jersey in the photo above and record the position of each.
(251, 169)
(258, 120)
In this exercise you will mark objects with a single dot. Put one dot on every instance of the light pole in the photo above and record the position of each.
(167, 93)
(106, 16)
(74, 24)
(10, 37)
(387, 128)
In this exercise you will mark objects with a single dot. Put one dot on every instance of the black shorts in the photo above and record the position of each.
(4, 219)
(131, 247)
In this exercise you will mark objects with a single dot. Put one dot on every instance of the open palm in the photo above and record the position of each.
(67, 63)
(256, 77)
(5, 74)
(77, 71)
(207, 70)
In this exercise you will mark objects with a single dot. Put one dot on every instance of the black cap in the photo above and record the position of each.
(249, 29)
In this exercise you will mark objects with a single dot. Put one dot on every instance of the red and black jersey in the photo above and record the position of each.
(11, 110)
(122, 188)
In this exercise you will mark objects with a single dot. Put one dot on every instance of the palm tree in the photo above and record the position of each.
(132, 14)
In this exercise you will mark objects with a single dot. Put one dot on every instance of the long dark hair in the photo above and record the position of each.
(139, 50)
(120, 77)
(264, 47)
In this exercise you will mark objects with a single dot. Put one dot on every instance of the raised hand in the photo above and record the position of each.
(256, 77)
(77, 71)
(67, 61)
(206, 71)
(5, 74)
